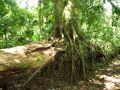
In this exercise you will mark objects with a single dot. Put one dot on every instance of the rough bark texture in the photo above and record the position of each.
(58, 11)
(21, 58)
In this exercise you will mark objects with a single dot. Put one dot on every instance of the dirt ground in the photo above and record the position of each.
(106, 77)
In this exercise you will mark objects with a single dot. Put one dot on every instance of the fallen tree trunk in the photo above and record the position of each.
(22, 58)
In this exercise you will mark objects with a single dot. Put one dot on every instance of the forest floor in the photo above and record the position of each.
(56, 76)
(106, 77)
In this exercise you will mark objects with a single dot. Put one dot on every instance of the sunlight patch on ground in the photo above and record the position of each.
(109, 76)
(111, 83)
(116, 62)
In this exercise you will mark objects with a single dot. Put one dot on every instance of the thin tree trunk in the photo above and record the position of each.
(58, 10)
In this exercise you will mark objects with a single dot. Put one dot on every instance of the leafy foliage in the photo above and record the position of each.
(20, 26)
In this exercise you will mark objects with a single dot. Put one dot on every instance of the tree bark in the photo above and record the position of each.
(58, 11)
(21, 58)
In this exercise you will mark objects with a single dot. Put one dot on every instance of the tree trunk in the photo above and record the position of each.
(58, 11)
(64, 21)
(21, 58)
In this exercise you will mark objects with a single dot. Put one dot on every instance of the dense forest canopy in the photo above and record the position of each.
(25, 21)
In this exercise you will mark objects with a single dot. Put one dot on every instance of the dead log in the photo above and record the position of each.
(21, 58)
(20, 61)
